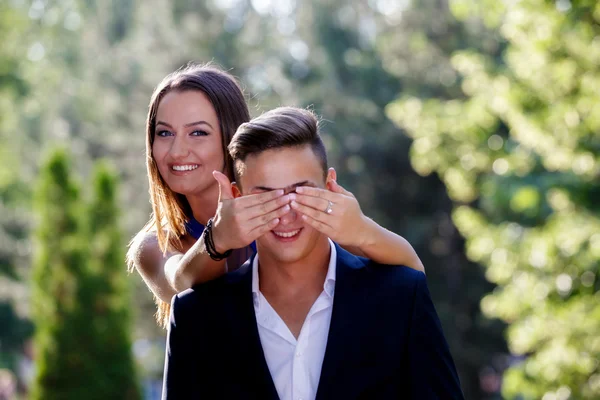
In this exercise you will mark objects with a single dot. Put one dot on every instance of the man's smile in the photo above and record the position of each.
(287, 236)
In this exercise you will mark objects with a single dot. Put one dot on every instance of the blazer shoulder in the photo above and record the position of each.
(400, 271)
(213, 292)
(382, 276)
(395, 277)
(347, 259)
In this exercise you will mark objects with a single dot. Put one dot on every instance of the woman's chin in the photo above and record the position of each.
(194, 190)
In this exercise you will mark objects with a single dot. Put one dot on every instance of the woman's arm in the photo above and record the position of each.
(171, 273)
(386, 247)
(350, 228)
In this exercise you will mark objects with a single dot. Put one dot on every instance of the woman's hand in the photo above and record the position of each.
(336, 213)
(239, 221)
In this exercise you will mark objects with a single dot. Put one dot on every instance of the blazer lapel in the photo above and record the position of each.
(343, 328)
(244, 332)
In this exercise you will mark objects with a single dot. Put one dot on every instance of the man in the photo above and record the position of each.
(304, 319)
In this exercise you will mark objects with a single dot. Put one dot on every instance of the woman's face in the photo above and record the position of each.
(187, 142)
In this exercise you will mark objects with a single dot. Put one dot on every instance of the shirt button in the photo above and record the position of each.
(299, 354)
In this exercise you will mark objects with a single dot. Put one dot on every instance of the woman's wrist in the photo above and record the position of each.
(216, 253)
(367, 234)
(217, 239)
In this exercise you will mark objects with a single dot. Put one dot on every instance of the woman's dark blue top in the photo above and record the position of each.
(237, 256)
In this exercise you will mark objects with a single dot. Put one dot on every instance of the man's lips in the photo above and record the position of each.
(288, 234)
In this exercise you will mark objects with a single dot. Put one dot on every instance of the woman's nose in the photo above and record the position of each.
(179, 149)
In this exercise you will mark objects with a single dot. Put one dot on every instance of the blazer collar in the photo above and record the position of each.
(348, 298)
(244, 331)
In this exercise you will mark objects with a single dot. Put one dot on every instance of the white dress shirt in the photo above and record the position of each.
(295, 365)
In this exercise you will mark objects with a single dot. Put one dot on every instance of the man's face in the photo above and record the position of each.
(291, 240)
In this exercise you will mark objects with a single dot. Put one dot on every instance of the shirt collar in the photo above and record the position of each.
(328, 285)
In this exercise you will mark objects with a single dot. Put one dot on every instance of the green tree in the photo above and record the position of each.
(108, 294)
(60, 266)
(79, 302)
(519, 154)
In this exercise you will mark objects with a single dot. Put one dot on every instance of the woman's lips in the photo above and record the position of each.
(183, 169)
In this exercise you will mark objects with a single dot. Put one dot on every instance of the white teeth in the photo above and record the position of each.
(184, 167)
(287, 234)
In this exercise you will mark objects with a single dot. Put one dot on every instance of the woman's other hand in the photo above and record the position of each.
(335, 212)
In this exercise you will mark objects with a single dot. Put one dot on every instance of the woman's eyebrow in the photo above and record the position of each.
(186, 125)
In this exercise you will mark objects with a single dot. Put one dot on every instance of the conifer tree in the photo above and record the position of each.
(110, 302)
(60, 263)
(81, 303)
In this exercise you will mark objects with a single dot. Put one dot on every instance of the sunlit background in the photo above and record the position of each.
(470, 127)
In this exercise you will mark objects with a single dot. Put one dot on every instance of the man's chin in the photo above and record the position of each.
(282, 255)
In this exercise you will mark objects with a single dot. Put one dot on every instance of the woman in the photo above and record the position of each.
(192, 117)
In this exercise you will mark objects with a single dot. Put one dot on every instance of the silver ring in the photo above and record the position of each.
(329, 208)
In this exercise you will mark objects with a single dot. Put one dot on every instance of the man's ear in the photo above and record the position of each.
(331, 178)
(236, 190)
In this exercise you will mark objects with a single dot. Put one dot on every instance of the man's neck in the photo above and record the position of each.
(292, 288)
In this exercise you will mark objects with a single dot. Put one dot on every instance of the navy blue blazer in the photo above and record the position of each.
(385, 339)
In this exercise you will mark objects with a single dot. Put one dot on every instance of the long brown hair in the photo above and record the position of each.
(170, 210)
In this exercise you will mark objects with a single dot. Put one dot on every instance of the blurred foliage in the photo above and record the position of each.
(13, 190)
(519, 154)
(499, 101)
(80, 297)
(14, 330)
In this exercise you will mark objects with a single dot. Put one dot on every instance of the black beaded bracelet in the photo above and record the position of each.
(210, 244)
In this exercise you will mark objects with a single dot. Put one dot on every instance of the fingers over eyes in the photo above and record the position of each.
(262, 219)
(317, 203)
(257, 199)
(261, 209)
(316, 192)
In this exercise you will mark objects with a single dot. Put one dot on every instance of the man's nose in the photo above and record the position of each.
(288, 218)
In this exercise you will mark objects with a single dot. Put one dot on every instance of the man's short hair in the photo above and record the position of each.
(282, 127)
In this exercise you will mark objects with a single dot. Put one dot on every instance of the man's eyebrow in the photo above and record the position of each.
(186, 125)
(294, 186)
